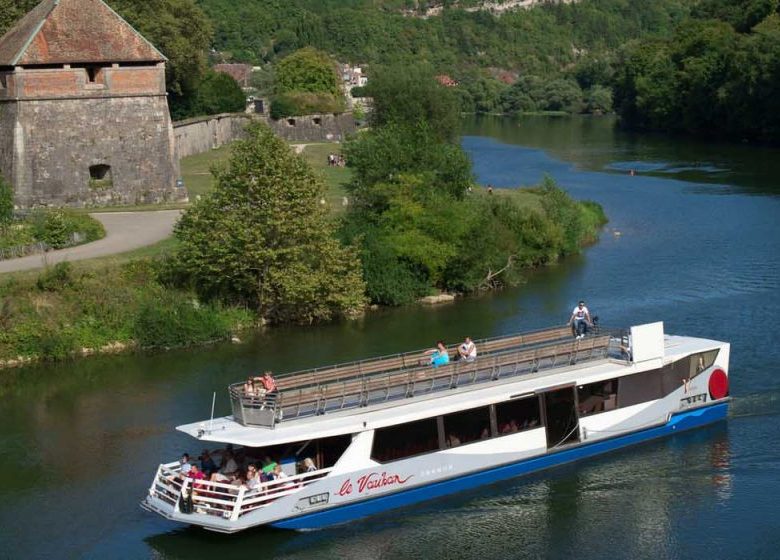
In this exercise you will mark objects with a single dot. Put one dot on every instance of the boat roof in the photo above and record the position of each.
(228, 430)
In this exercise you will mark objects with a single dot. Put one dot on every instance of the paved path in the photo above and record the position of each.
(125, 231)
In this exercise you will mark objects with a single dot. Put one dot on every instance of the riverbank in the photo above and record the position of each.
(127, 303)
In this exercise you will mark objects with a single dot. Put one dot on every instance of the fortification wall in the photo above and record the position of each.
(59, 142)
(199, 135)
(195, 136)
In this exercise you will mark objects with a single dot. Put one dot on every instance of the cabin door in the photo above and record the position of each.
(560, 416)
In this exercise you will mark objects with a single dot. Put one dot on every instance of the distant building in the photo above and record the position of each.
(241, 73)
(83, 110)
(446, 80)
(352, 77)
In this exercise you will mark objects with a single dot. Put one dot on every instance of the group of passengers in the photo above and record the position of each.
(439, 356)
(236, 469)
(260, 386)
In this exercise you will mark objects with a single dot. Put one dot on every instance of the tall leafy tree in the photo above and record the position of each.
(262, 239)
(307, 70)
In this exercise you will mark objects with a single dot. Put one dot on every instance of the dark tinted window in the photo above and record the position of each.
(405, 440)
(466, 426)
(640, 387)
(597, 397)
(517, 415)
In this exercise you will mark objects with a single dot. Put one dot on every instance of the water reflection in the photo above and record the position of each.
(589, 506)
(598, 144)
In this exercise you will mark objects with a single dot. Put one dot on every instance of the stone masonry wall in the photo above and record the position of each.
(58, 141)
(195, 136)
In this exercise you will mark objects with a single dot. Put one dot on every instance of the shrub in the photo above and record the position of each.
(61, 228)
(174, 319)
(6, 203)
(56, 278)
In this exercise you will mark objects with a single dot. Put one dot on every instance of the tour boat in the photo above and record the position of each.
(393, 431)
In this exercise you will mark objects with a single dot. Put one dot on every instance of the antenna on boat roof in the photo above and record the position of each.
(211, 420)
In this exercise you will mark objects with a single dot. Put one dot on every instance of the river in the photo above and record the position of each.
(694, 240)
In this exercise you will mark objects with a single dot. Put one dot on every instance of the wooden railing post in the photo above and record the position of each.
(237, 506)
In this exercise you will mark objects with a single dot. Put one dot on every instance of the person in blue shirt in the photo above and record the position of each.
(440, 356)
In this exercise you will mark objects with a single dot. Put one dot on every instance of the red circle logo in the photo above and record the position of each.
(719, 384)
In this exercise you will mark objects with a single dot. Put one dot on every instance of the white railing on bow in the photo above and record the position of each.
(222, 499)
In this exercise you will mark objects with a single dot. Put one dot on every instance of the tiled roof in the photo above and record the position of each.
(74, 31)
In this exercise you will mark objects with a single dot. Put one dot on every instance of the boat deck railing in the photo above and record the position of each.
(357, 384)
(220, 499)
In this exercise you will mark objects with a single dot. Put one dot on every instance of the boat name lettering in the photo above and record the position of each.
(693, 399)
(372, 481)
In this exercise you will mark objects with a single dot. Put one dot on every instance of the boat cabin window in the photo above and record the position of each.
(597, 397)
(466, 426)
(517, 415)
(702, 361)
(405, 440)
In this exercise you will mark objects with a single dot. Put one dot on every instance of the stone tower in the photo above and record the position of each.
(83, 110)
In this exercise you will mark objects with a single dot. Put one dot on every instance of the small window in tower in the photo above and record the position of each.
(291, 122)
(317, 121)
(92, 74)
(100, 177)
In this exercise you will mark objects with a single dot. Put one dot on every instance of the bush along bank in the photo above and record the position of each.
(65, 313)
(420, 222)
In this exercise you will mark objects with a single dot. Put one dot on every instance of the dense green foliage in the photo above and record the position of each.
(714, 77)
(564, 50)
(6, 202)
(421, 224)
(216, 93)
(306, 82)
(66, 312)
(262, 239)
(57, 228)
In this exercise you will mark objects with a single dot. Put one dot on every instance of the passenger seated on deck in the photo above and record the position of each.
(580, 319)
(308, 465)
(249, 387)
(439, 355)
(253, 477)
(467, 351)
(453, 440)
(207, 464)
(185, 464)
(264, 384)
(485, 434)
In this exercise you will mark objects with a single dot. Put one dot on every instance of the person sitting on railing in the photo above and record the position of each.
(467, 351)
(439, 355)
(249, 387)
(185, 464)
(196, 474)
(580, 319)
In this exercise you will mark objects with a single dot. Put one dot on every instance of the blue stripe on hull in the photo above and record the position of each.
(341, 514)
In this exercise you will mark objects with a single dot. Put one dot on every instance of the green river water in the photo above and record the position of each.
(698, 247)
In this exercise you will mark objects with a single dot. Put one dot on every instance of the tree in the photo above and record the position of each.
(307, 70)
(12, 10)
(262, 239)
(182, 32)
(406, 95)
(218, 93)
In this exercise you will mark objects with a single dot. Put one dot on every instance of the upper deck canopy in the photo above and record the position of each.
(74, 32)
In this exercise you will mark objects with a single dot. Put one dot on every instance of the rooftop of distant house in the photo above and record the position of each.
(242, 73)
(446, 80)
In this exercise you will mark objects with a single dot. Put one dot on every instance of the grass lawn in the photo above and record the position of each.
(195, 170)
(334, 177)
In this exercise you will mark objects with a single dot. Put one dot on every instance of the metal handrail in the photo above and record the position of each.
(222, 499)
(356, 389)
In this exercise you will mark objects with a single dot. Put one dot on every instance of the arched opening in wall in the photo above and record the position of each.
(100, 177)
(291, 122)
(317, 121)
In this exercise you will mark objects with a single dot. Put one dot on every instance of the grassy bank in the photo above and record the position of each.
(64, 312)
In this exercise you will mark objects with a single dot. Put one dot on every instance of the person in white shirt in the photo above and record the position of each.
(185, 464)
(468, 350)
(580, 319)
